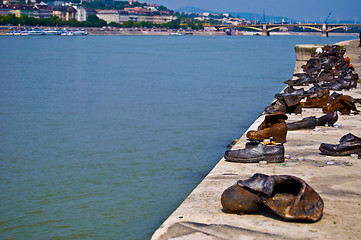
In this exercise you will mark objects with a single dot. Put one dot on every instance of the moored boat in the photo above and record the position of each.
(176, 34)
(64, 32)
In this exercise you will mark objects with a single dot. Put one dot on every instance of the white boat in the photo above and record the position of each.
(24, 33)
(14, 33)
(34, 32)
(66, 33)
(38, 32)
(80, 32)
(74, 33)
(52, 32)
(176, 34)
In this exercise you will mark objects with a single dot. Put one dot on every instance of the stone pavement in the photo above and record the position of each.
(336, 179)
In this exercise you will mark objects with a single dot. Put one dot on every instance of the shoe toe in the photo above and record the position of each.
(237, 199)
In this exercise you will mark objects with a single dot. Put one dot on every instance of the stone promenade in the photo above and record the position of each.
(336, 179)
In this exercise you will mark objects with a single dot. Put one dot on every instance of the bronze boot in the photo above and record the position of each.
(287, 196)
(293, 199)
(317, 100)
(305, 123)
(328, 119)
(237, 199)
(286, 104)
(349, 144)
(274, 126)
(343, 104)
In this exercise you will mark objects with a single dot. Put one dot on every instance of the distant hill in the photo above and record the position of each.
(248, 16)
(190, 9)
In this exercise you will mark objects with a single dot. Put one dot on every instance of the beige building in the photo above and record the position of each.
(64, 13)
(122, 16)
(109, 15)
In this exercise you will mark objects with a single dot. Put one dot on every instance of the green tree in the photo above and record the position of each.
(162, 8)
(114, 24)
(92, 19)
(101, 23)
(137, 24)
(12, 19)
(54, 21)
(97, 4)
(73, 23)
(128, 24)
(146, 24)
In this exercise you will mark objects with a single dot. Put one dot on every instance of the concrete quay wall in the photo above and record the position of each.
(336, 179)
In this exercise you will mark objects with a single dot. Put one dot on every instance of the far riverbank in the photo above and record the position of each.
(167, 32)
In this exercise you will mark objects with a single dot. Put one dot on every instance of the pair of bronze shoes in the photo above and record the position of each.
(273, 127)
(343, 103)
(289, 197)
(312, 122)
(255, 152)
(316, 100)
(348, 144)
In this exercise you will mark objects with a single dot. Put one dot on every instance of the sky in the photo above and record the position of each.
(303, 10)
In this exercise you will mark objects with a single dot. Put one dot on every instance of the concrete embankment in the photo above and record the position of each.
(336, 179)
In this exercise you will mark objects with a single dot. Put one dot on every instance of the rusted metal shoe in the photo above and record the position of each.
(293, 199)
(273, 126)
(328, 119)
(343, 104)
(312, 122)
(291, 91)
(349, 138)
(240, 200)
(286, 104)
(254, 154)
(288, 196)
(301, 81)
(348, 144)
(305, 123)
(277, 106)
(317, 100)
(315, 89)
(340, 84)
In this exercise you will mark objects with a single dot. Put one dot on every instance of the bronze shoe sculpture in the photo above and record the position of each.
(240, 200)
(343, 104)
(328, 119)
(348, 144)
(293, 199)
(317, 100)
(255, 153)
(291, 91)
(305, 123)
(286, 104)
(274, 126)
(288, 196)
(302, 80)
(312, 122)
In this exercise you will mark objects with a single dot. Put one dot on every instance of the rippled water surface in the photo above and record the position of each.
(102, 137)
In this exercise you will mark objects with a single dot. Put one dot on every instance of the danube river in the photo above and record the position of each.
(104, 136)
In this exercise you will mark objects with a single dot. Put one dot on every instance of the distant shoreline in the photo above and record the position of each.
(166, 32)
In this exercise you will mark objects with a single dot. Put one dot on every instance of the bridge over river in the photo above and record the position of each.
(267, 28)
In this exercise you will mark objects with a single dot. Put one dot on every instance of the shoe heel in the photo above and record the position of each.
(275, 158)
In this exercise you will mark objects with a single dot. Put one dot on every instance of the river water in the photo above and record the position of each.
(104, 136)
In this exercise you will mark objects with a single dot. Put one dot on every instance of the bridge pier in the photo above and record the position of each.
(264, 30)
(324, 30)
(265, 33)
